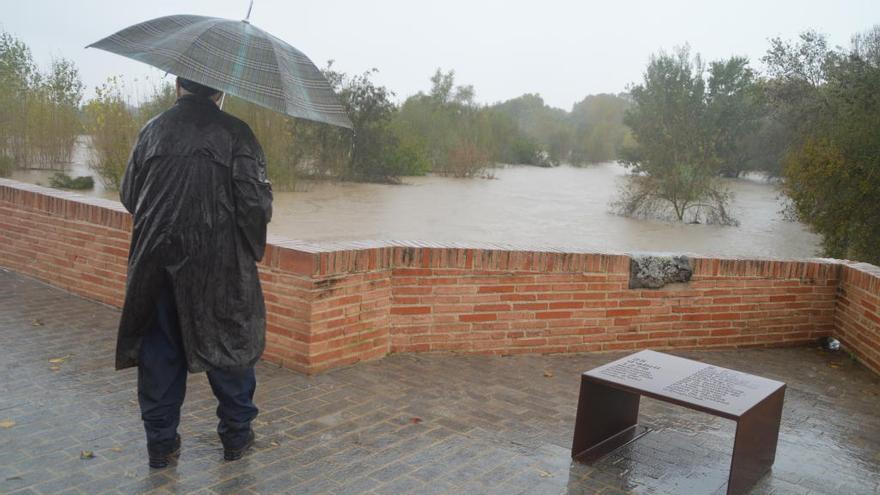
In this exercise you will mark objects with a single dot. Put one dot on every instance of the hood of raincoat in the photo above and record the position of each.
(197, 189)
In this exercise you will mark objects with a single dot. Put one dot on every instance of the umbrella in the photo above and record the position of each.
(235, 57)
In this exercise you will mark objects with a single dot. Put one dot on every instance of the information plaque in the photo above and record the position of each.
(609, 402)
(717, 390)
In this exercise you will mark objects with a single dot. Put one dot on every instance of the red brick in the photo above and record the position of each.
(567, 305)
(495, 288)
(547, 315)
(410, 310)
(478, 317)
(492, 307)
(621, 312)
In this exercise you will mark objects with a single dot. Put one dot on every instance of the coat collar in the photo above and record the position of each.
(198, 100)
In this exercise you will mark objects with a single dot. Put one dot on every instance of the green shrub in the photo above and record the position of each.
(64, 181)
(113, 127)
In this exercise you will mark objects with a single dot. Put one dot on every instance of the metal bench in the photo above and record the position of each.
(608, 408)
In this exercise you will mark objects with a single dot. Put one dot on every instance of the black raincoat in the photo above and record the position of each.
(196, 186)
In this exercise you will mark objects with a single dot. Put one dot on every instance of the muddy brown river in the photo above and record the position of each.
(529, 206)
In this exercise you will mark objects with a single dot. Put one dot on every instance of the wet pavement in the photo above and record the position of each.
(417, 424)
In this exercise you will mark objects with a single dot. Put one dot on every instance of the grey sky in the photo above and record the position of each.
(562, 49)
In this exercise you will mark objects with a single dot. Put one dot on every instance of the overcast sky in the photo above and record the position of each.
(562, 49)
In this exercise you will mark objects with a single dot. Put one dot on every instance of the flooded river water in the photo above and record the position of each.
(557, 207)
(529, 206)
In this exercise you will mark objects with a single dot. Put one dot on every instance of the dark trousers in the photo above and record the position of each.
(162, 374)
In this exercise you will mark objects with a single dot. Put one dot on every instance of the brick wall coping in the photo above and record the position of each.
(62, 194)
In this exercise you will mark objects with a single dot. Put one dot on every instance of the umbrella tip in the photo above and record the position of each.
(247, 18)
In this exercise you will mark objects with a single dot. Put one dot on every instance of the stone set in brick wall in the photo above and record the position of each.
(333, 304)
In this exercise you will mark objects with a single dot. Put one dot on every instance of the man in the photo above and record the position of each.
(197, 189)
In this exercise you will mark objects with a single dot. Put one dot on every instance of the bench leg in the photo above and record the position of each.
(606, 419)
(754, 448)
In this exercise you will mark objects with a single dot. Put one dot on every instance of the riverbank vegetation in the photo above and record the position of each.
(828, 103)
(812, 118)
(39, 121)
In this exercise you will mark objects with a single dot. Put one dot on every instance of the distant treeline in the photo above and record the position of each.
(442, 130)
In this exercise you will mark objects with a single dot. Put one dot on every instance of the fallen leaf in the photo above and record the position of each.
(274, 443)
(544, 474)
(415, 421)
(55, 368)
(6, 423)
(86, 454)
(59, 360)
(116, 449)
(37, 323)
(834, 365)
(548, 374)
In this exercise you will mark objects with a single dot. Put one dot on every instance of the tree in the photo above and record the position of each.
(832, 165)
(795, 70)
(454, 132)
(802, 61)
(38, 110)
(545, 128)
(735, 113)
(53, 114)
(674, 164)
(377, 153)
(17, 74)
(598, 128)
(512, 145)
(113, 126)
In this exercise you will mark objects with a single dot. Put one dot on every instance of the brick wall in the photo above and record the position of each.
(77, 244)
(333, 304)
(857, 319)
(504, 302)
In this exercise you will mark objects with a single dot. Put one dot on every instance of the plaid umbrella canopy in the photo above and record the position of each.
(234, 57)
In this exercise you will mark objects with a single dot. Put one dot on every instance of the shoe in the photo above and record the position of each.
(160, 460)
(236, 454)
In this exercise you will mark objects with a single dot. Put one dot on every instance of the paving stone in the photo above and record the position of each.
(485, 424)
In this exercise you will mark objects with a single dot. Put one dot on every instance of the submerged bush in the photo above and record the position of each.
(63, 181)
